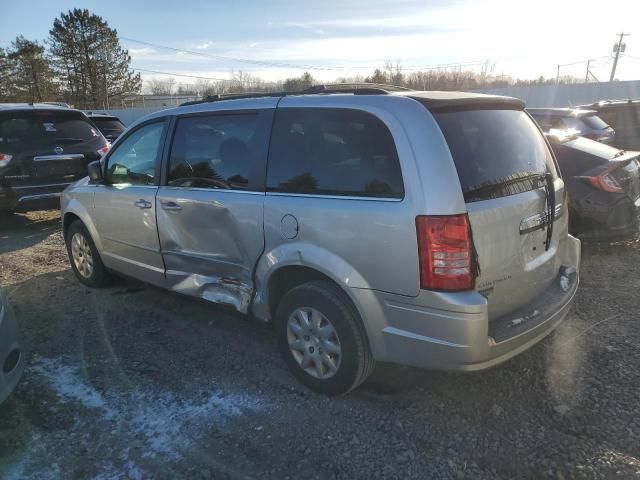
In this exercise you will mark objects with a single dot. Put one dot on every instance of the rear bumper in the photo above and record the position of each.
(607, 217)
(451, 331)
(11, 355)
(31, 197)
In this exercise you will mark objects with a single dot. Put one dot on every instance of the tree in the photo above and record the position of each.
(7, 84)
(31, 72)
(377, 77)
(89, 60)
(298, 84)
(161, 87)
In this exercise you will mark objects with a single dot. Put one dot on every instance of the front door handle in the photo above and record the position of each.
(171, 206)
(142, 203)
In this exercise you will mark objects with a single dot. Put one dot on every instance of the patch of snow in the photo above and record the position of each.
(159, 423)
(66, 382)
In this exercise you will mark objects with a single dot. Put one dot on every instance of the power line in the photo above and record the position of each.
(336, 68)
(222, 57)
(181, 75)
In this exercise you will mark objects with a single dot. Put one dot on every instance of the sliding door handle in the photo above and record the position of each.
(142, 203)
(170, 206)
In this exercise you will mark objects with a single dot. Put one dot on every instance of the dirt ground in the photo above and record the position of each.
(132, 382)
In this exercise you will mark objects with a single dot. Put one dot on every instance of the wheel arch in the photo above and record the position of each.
(76, 211)
(292, 264)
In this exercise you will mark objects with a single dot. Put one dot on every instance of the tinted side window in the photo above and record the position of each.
(214, 151)
(134, 160)
(333, 152)
(14, 131)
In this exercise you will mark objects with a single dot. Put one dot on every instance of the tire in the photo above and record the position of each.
(354, 363)
(97, 275)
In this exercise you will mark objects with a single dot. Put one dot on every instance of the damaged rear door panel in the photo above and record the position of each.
(210, 207)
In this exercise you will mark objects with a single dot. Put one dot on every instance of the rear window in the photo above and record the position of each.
(108, 124)
(496, 152)
(45, 129)
(595, 122)
(333, 152)
(550, 122)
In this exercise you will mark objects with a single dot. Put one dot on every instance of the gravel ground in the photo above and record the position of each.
(132, 382)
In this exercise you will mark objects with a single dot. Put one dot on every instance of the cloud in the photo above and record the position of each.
(306, 26)
(142, 52)
(203, 45)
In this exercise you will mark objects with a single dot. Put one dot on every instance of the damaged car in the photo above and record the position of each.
(603, 185)
(366, 222)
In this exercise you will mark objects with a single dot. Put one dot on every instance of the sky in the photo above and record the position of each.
(343, 38)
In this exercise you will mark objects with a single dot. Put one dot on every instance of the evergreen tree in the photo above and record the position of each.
(89, 60)
(32, 79)
(299, 84)
(7, 84)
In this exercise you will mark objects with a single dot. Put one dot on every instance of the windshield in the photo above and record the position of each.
(495, 148)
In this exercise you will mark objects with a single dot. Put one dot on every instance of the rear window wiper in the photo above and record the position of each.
(534, 179)
(69, 140)
(550, 195)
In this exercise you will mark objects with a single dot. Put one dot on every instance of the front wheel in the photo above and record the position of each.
(321, 338)
(84, 257)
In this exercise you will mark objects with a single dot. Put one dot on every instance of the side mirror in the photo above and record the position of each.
(95, 171)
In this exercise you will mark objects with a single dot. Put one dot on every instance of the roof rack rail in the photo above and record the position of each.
(362, 88)
(354, 88)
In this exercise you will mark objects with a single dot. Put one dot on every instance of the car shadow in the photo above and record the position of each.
(20, 231)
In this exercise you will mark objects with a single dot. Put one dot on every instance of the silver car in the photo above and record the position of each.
(11, 361)
(368, 224)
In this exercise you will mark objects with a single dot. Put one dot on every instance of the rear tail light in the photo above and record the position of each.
(445, 251)
(104, 150)
(5, 158)
(605, 182)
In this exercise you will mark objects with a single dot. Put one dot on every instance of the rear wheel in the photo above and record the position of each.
(321, 338)
(84, 257)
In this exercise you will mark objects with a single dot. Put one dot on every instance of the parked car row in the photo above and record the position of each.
(624, 117)
(367, 223)
(586, 123)
(603, 182)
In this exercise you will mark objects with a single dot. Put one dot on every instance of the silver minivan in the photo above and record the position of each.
(368, 224)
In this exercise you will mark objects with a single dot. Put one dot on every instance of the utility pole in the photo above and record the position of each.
(586, 76)
(617, 48)
(558, 75)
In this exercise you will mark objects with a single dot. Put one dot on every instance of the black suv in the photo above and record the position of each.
(586, 123)
(109, 125)
(624, 116)
(43, 149)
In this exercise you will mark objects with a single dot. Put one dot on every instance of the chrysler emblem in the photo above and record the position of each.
(58, 150)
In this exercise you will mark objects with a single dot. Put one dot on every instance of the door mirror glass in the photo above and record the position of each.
(134, 160)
